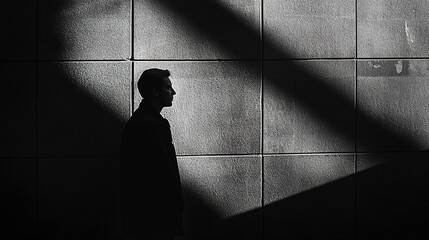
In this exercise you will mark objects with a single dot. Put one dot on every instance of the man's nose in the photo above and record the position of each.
(174, 92)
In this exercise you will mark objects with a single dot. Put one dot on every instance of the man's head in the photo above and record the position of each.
(155, 86)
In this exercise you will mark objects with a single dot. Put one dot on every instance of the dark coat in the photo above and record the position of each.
(150, 181)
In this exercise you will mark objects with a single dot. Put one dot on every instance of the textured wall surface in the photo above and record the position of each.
(310, 29)
(392, 28)
(288, 126)
(294, 119)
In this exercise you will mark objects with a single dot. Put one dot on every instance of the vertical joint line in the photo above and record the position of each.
(262, 42)
(132, 30)
(356, 29)
(132, 89)
(132, 56)
(356, 118)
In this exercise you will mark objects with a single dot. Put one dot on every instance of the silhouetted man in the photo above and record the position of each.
(152, 203)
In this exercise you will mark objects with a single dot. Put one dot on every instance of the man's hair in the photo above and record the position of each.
(150, 79)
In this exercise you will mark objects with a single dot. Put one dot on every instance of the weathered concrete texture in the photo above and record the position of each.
(217, 108)
(309, 196)
(18, 110)
(79, 30)
(82, 108)
(395, 94)
(18, 198)
(78, 198)
(193, 29)
(309, 29)
(392, 193)
(18, 30)
(216, 189)
(393, 28)
(290, 126)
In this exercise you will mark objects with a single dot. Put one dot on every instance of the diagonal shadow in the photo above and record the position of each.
(390, 202)
(387, 195)
(229, 32)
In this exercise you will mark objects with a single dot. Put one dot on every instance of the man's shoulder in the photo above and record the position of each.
(141, 118)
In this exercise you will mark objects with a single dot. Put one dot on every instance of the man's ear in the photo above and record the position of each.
(155, 92)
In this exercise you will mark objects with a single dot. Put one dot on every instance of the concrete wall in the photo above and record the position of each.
(294, 119)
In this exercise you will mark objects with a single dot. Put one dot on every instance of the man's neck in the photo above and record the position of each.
(155, 105)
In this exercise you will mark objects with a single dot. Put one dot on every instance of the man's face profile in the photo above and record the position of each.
(166, 93)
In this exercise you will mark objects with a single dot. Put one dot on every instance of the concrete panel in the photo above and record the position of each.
(17, 97)
(82, 108)
(79, 30)
(18, 199)
(217, 108)
(309, 29)
(394, 93)
(299, 115)
(309, 197)
(78, 198)
(18, 29)
(193, 29)
(393, 28)
(392, 195)
(218, 193)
